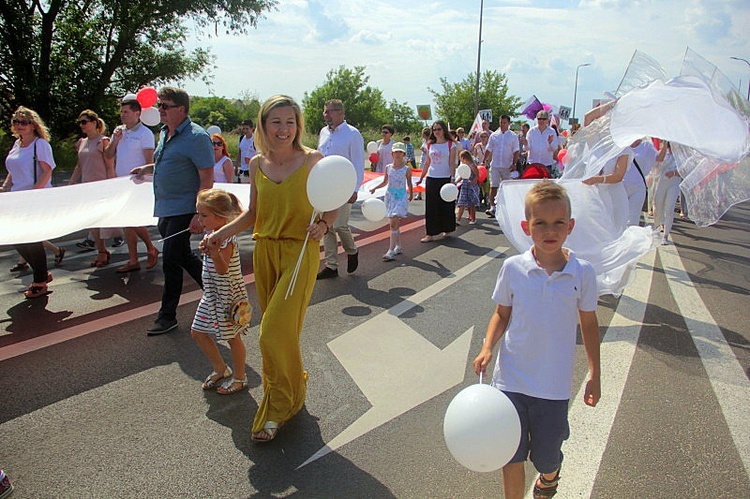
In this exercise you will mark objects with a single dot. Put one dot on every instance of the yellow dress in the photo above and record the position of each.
(282, 215)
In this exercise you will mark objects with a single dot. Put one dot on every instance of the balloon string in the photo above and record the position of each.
(293, 282)
(172, 235)
(481, 373)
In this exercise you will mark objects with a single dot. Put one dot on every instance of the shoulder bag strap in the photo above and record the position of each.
(641, 172)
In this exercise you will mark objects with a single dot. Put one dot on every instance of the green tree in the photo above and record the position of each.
(455, 102)
(61, 56)
(366, 108)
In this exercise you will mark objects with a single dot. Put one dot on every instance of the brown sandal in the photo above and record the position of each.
(550, 486)
(36, 290)
(101, 262)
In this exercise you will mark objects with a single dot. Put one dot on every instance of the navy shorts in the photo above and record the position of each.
(544, 428)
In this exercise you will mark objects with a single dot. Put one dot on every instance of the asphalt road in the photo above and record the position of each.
(92, 407)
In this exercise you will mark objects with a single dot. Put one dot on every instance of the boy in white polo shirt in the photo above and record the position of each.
(549, 292)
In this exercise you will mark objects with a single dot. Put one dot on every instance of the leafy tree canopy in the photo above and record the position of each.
(366, 108)
(455, 102)
(224, 113)
(62, 56)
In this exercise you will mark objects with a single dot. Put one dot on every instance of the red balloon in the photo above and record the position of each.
(561, 155)
(374, 157)
(482, 173)
(146, 96)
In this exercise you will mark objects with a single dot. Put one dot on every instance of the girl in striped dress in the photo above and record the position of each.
(223, 286)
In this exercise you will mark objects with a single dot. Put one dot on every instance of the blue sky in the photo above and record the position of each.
(408, 45)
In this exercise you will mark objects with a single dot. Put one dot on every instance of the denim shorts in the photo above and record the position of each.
(544, 428)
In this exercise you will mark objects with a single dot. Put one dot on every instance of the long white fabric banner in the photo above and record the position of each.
(41, 214)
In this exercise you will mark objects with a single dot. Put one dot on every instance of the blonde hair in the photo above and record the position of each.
(40, 129)
(261, 137)
(464, 154)
(101, 127)
(546, 190)
(220, 202)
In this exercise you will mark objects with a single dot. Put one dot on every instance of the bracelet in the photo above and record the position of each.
(326, 224)
(604, 179)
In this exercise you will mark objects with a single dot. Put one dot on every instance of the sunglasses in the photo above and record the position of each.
(217, 144)
(83, 122)
(437, 129)
(385, 132)
(162, 105)
(543, 119)
(22, 122)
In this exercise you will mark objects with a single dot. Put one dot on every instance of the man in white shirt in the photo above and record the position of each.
(340, 138)
(501, 157)
(132, 145)
(247, 151)
(542, 142)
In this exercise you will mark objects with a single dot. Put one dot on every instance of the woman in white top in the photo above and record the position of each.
(30, 164)
(223, 168)
(440, 169)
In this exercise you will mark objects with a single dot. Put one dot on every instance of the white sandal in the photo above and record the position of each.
(213, 379)
(229, 387)
(268, 433)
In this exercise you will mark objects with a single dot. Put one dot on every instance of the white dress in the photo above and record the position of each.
(396, 198)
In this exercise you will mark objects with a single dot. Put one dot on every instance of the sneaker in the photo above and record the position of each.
(161, 326)
(490, 213)
(472, 222)
(118, 242)
(352, 262)
(397, 250)
(664, 241)
(389, 256)
(327, 273)
(5, 486)
(87, 244)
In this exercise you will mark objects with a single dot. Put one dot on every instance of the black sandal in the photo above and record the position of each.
(19, 267)
(550, 486)
(59, 257)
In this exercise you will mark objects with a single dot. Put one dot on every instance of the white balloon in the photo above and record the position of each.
(481, 428)
(449, 192)
(372, 147)
(150, 116)
(374, 209)
(463, 171)
(331, 183)
(213, 129)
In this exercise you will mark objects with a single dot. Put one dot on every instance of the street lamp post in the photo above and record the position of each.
(575, 90)
(748, 63)
(479, 59)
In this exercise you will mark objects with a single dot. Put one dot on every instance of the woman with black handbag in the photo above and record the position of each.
(30, 164)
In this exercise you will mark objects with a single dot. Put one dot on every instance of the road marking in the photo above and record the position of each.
(728, 380)
(590, 426)
(77, 331)
(395, 367)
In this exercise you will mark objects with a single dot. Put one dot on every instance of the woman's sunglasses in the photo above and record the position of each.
(217, 144)
(22, 122)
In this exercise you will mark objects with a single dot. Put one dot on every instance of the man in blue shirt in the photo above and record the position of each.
(183, 166)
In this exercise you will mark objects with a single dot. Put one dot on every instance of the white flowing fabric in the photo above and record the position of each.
(41, 214)
(685, 111)
(600, 235)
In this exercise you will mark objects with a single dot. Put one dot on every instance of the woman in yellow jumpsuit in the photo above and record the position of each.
(280, 212)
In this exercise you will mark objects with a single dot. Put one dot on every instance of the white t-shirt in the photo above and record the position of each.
(20, 163)
(540, 151)
(131, 149)
(645, 154)
(440, 159)
(503, 146)
(537, 351)
(247, 151)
